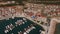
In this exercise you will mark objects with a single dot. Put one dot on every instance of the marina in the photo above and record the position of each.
(29, 25)
(29, 17)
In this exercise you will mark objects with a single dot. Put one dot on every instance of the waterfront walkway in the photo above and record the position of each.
(53, 23)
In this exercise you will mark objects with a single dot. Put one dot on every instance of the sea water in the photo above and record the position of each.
(4, 23)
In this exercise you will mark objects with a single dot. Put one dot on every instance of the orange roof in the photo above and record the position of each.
(31, 13)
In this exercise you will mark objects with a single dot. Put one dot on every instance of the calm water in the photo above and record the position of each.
(4, 23)
(57, 31)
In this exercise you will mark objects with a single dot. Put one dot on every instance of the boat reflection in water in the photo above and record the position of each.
(19, 25)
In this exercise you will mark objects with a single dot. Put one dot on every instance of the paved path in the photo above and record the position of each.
(53, 23)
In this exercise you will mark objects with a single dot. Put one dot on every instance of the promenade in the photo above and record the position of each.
(53, 23)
